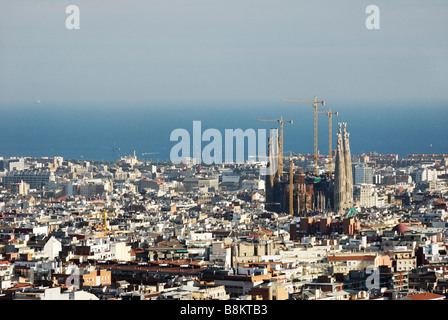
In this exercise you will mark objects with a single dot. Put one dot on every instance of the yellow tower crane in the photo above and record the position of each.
(315, 103)
(330, 163)
(105, 222)
(291, 178)
(105, 214)
(280, 147)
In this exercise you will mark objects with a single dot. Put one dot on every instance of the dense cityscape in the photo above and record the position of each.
(355, 227)
(223, 158)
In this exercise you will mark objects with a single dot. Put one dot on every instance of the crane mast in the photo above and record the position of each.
(105, 214)
(291, 185)
(280, 144)
(105, 222)
(315, 103)
(330, 163)
(291, 179)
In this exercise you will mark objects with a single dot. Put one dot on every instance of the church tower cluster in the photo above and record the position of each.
(343, 177)
(311, 193)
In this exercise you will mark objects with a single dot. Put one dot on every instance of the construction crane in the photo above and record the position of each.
(291, 178)
(315, 103)
(330, 164)
(280, 147)
(105, 220)
(105, 223)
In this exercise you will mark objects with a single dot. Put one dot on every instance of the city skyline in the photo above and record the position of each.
(143, 154)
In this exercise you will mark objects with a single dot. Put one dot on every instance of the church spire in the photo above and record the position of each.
(343, 183)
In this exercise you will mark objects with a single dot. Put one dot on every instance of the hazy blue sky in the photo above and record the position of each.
(227, 49)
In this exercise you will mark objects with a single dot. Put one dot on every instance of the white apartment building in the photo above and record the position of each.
(366, 194)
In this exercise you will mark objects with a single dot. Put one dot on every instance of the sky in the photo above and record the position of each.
(187, 50)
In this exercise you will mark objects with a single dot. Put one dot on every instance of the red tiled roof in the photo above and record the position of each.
(95, 200)
(425, 296)
(266, 231)
(400, 228)
(156, 181)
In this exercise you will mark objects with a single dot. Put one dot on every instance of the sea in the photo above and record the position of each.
(108, 130)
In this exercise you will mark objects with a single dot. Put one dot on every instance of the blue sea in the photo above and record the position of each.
(109, 130)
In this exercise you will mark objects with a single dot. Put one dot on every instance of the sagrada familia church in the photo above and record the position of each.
(315, 193)
(343, 177)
